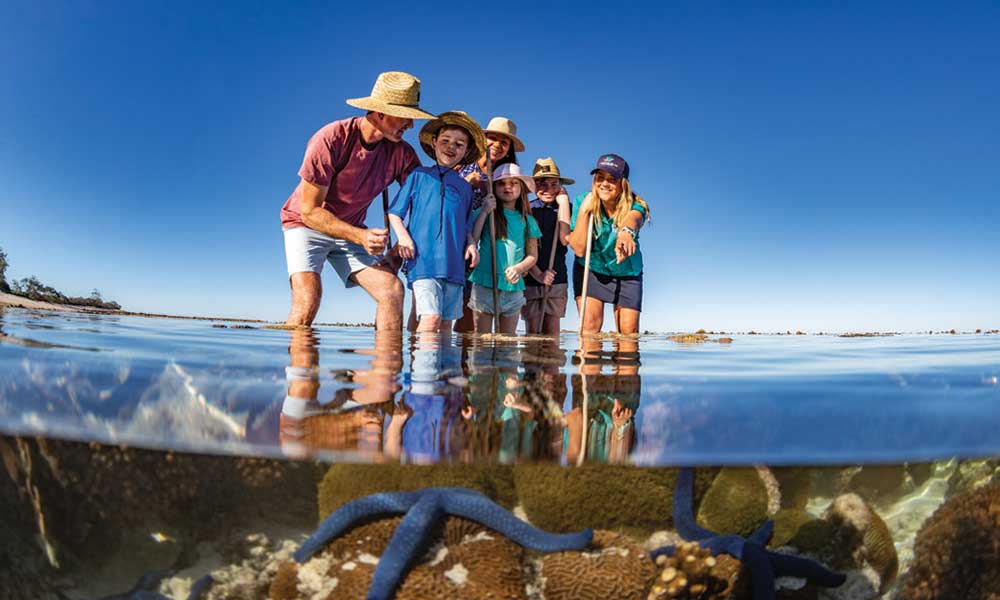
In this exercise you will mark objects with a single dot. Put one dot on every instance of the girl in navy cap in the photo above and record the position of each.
(615, 260)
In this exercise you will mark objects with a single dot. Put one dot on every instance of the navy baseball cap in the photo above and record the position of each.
(613, 164)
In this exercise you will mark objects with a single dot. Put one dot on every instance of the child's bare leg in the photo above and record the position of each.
(508, 324)
(551, 324)
(445, 327)
(411, 322)
(484, 322)
(533, 324)
(429, 324)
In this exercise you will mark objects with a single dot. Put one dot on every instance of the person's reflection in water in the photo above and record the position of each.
(352, 419)
(545, 390)
(435, 402)
(611, 403)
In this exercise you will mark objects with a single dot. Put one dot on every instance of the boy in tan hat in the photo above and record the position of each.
(546, 286)
(437, 240)
(347, 164)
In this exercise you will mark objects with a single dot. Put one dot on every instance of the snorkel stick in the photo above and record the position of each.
(586, 264)
(493, 241)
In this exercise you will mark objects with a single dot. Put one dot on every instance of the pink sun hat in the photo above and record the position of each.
(513, 171)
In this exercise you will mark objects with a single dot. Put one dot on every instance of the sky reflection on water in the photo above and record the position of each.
(347, 394)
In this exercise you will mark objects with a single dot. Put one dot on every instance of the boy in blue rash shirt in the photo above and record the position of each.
(437, 239)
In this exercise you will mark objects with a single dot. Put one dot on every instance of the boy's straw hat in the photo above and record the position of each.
(505, 126)
(546, 167)
(513, 171)
(457, 118)
(395, 93)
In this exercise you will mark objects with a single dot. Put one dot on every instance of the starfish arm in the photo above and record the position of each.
(761, 572)
(763, 533)
(484, 511)
(406, 543)
(684, 520)
(797, 566)
(352, 513)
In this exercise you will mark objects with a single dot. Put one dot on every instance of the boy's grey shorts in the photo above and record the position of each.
(306, 250)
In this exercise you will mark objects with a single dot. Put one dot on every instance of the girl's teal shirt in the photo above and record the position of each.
(602, 253)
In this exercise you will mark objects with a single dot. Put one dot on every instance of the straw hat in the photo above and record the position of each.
(395, 93)
(455, 118)
(546, 167)
(513, 171)
(505, 126)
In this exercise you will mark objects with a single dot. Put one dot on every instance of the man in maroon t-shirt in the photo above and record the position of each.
(347, 164)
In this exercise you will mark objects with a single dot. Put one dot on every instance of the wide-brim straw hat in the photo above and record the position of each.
(513, 171)
(395, 93)
(546, 167)
(455, 118)
(505, 126)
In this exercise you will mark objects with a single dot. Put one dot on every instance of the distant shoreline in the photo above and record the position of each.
(12, 301)
(18, 302)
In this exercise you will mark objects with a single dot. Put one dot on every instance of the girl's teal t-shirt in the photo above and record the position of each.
(510, 251)
(602, 252)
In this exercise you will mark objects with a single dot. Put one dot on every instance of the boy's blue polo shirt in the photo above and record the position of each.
(439, 229)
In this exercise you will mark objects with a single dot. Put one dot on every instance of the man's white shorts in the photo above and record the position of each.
(306, 250)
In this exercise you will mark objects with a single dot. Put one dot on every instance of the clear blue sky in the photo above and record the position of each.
(821, 166)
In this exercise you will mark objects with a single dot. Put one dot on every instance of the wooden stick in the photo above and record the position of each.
(493, 241)
(552, 261)
(586, 267)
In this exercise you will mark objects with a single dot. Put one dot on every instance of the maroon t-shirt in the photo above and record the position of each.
(369, 170)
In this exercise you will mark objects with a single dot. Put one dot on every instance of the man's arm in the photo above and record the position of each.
(314, 216)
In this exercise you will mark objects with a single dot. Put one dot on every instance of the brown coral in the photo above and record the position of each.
(614, 567)
(469, 562)
(693, 574)
(860, 536)
(957, 552)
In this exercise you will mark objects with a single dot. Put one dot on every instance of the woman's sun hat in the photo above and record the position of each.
(395, 93)
(546, 167)
(455, 118)
(513, 171)
(506, 127)
(613, 164)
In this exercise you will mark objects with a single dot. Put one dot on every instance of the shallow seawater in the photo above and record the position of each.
(142, 449)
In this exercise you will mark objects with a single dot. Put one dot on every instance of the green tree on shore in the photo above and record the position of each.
(33, 289)
(3, 272)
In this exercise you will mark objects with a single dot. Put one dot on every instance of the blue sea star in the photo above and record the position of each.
(764, 564)
(423, 510)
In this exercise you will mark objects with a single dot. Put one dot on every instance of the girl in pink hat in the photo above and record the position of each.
(516, 250)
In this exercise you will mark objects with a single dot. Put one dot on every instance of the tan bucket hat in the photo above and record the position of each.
(546, 167)
(505, 126)
(458, 119)
(395, 93)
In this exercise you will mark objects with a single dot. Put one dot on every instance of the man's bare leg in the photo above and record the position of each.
(386, 289)
(307, 291)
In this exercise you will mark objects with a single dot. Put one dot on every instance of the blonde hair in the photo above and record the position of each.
(622, 206)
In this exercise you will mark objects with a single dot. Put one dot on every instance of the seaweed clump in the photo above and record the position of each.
(346, 482)
(957, 552)
(619, 498)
